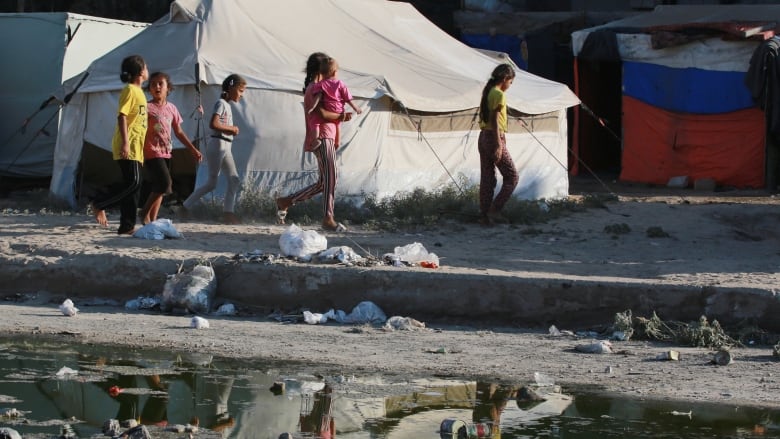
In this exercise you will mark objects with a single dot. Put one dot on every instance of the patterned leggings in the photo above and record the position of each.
(487, 182)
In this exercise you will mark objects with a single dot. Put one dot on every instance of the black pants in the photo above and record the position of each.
(125, 195)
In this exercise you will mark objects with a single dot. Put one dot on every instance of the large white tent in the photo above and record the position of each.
(41, 50)
(418, 86)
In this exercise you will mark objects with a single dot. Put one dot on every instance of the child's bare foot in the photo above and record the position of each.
(282, 204)
(330, 224)
(100, 216)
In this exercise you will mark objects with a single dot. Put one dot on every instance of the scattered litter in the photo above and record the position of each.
(142, 303)
(256, 256)
(227, 309)
(199, 323)
(315, 318)
(688, 414)
(67, 308)
(722, 358)
(342, 254)
(403, 323)
(193, 291)
(414, 253)
(160, 228)
(597, 347)
(300, 243)
(621, 336)
(364, 312)
(668, 356)
(555, 332)
(66, 371)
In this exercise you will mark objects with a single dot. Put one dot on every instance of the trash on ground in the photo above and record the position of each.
(364, 312)
(193, 291)
(300, 243)
(342, 254)
(257, 255)
(142, 303)
(160, 228)
(226, 309)
(596, 347)
(443, 350)
(414, 253)
(199, 323)
(668, 356)
(688, 414)
(555, 332)
(68, 308)
(403, 323)
(722, 358)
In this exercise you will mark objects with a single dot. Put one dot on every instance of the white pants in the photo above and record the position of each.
(218, 158)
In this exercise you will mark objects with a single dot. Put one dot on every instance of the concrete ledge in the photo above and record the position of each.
(479, 297)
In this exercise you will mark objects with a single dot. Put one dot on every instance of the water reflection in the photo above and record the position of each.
(225, 400)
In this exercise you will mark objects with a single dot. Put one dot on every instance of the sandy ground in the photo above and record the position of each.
(723, 240)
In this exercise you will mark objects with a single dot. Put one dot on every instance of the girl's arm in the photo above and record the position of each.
(355, 107)
(124, 150)
(494, 127)
(182, 136)
(216, 125)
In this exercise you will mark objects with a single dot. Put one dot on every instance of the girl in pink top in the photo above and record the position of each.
(164, 117)
(321, 140)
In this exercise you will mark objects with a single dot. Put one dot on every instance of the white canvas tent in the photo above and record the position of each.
(42, 50)
(418, 86)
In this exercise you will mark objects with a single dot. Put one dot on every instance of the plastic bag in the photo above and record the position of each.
(342, 254)
(193, 291)
(415, 253)
(300, 243)
(158, 229)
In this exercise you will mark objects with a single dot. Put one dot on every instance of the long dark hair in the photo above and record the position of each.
(132, 66)
(313, 67)
(500, 73)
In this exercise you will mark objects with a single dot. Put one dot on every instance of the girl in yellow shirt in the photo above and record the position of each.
(127, 146)
(492, 147)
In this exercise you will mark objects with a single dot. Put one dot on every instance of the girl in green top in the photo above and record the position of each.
(492, 147)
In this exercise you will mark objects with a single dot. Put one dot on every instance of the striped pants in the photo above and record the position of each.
(326, 162)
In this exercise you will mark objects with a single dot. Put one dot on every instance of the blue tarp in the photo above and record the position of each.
(688, 90)
(509, 44)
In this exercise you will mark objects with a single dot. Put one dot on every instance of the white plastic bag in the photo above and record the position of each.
(160, 228)
(415, 253)
(193, 291)
(300, 243)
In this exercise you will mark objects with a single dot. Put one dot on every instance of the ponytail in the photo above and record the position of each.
(132, 66)
(500, 73)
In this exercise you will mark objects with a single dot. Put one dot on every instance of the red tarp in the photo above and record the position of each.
(659, 145)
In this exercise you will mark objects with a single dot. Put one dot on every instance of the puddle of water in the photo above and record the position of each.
(54, 385)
